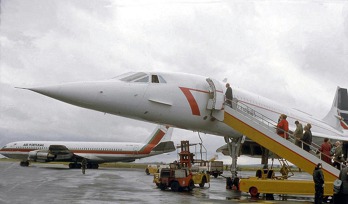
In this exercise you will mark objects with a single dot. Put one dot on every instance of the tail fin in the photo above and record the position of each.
(338, 114)
(160, 140)
(161, 133)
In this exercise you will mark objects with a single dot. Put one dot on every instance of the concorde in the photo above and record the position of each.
(188, 101)
(95, 153)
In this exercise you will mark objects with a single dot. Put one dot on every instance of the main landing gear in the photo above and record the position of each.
(24, 163)
(75, 165)
(233, 145)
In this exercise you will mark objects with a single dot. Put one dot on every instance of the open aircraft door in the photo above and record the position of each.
(216, 99)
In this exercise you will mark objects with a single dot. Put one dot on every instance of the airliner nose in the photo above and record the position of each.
(81, 94)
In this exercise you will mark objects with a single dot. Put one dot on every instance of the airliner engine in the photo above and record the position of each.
(40, 156)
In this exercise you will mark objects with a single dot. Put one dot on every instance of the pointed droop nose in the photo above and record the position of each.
(81, 94)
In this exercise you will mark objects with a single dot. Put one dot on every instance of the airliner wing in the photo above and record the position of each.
(61, 152)
(59, 149)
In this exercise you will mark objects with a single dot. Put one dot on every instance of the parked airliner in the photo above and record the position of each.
(189, 102)
(95, 153)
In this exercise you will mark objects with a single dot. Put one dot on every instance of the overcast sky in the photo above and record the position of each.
(294, 52)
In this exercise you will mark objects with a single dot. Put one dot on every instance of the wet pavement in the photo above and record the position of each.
(55, 183)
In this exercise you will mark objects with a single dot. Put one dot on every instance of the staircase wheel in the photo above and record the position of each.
(254, 192)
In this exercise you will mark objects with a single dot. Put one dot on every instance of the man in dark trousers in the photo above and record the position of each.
(342, 197)
(229, 95)
(306, 139)
(338, 155)
(83, 165)
(318, 178)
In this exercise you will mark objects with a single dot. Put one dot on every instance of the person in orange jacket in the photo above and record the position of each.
(283, 126)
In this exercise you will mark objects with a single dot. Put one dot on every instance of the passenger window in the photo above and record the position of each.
(154, 79)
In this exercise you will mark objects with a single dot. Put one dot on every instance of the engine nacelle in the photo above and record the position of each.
(40, 156)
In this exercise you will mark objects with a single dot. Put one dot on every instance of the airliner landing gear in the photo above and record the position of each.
(233, 145)
(92, 166)
(74, 165)
(24, 163)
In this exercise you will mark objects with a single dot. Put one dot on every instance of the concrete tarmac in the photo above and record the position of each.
(55, 183)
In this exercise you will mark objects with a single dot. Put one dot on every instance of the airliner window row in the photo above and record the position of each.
(75, 148)
(30, 147)
(99, 149)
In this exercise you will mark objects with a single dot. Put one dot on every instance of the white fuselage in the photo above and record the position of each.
(98, 152)
(180, 102)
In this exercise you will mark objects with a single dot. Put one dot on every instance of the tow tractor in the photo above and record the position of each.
(182, 175)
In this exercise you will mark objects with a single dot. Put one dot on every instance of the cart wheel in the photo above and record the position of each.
(254, 192)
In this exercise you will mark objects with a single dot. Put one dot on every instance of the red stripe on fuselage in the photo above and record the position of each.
(192, 101)
(148, 147)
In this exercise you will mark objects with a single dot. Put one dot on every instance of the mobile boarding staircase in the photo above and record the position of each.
(261, 130)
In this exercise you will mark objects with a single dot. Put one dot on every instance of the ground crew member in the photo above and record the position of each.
(318, 178)
(83, 165)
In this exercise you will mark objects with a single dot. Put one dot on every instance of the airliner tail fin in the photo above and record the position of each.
(161, 139)
(338, 114)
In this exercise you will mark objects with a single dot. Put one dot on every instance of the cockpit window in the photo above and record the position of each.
(133, 76)
(141, 77)
(161, 80)
(144, 79)
(4, 147)
(154, 79)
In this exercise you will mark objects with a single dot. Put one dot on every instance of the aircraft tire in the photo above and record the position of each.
(235, 183)
(24, 163)
(175, 186)
(162, 186)
(147, 171)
